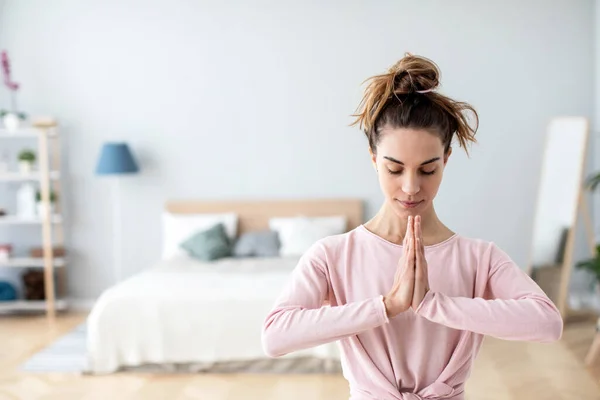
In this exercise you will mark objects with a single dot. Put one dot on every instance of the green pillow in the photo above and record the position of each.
(209, 244)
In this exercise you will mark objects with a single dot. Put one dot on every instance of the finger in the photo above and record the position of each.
(406, 242)
(408, 284)
(419, 290)
(422, 266)
(418, 266)
(415, 244)
(407, 234)
(410, 260)
(410, 232)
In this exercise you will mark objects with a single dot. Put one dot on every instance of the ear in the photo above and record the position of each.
(373, 158)
(447, 155)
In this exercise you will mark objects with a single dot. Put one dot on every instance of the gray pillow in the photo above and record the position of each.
(208, 245)
(257, 244)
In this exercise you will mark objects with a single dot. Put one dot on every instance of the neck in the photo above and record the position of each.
(393, 227)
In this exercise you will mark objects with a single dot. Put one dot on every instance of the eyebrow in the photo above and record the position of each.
(401, 163)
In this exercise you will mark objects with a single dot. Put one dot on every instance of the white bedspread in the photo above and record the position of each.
(186, 311)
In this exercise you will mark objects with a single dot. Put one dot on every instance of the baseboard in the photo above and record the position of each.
(80, 304)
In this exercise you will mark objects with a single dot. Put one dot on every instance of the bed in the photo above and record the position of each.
(183, 313)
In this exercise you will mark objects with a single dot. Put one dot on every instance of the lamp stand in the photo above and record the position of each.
(116, 228)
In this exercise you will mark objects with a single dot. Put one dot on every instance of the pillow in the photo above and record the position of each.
(179, 227)
(257, 244)
(208, 245)
(297, 234)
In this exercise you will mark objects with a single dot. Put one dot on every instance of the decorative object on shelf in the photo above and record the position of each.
(116, 160)
(11, 118)
(33, 285)
(26, 201)
(5, 251)
(26, 160)
(38, 252)
(7, 291)
(2, 212)
(41, 207)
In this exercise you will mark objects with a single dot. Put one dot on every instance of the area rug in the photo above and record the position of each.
(67, 354)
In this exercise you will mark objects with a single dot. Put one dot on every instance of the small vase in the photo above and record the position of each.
(26, 201)
(41, 209)
(25, 167)
(11, 121)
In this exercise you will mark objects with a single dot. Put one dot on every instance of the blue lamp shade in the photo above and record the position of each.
(116, 158)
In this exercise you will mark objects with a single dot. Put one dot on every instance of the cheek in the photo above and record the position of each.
(432, 184)
(389, 182)
(432, 181)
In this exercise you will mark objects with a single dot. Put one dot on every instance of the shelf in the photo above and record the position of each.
(26, 262)
(42, 133)
(30, 305)
(25, 132)
(15, 220)
(31, 176)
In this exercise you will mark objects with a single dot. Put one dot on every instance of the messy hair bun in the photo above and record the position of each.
(405, 97)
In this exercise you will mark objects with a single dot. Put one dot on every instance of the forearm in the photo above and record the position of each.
(532, 317)
(290, 328)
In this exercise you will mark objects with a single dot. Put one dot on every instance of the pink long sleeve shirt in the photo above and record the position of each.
(336, 294)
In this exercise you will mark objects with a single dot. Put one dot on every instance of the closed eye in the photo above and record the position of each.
(399, 171)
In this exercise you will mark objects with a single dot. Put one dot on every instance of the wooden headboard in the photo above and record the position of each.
(254, 214)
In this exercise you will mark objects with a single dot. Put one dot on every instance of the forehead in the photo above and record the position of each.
(409, 145)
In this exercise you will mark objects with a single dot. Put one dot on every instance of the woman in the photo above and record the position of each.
(408, 299)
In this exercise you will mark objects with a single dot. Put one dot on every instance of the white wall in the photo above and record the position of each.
(596, 113)
(262, 92)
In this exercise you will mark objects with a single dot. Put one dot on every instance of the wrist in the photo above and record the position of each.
(390, 309)
(387, 306)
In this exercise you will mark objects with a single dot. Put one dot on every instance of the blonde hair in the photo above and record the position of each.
(405, 97)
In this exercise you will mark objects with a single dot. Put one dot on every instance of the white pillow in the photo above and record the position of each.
(178, 227)
(297, 234)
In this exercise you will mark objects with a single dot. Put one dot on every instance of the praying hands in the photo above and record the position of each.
(411, 282)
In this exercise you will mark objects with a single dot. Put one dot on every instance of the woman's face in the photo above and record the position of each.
(410, 164)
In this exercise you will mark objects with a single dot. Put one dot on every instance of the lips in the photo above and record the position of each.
(410, 204)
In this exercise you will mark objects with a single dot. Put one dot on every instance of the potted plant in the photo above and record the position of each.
(592, 264)
(41, 207)
(26, 160)
(593, 181)
(11, 118)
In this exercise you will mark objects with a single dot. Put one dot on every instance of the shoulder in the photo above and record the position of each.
(329, 249)
(488, 254)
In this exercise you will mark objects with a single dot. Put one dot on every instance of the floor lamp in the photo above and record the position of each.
(116, 160)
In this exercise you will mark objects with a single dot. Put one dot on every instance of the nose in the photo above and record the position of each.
(411, 185)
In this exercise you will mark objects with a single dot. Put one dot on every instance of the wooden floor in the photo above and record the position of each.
(503, 371)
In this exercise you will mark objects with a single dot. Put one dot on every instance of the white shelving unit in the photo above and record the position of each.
(24, 305)
(15, 220)
(26, 262)
(50, 225)
(24, 177)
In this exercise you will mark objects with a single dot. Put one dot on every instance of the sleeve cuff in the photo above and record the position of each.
(381, 307)
(426, 300)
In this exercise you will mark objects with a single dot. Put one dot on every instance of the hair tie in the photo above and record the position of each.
(425, 91)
